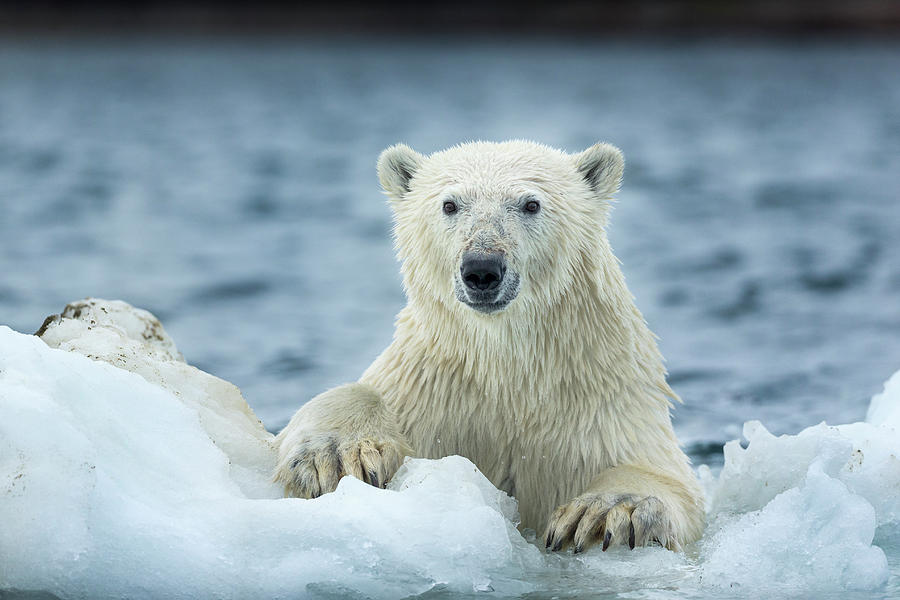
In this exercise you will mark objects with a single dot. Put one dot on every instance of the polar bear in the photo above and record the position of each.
(520, 348)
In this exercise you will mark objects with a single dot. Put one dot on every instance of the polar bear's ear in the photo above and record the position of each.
(602, 166)
(396, 166)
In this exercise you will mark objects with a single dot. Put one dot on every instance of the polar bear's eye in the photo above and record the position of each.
(449, 207)
(532, 206)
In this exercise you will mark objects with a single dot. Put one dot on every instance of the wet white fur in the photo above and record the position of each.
(561, 394)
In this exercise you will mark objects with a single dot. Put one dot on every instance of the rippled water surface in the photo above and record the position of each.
(230, 188)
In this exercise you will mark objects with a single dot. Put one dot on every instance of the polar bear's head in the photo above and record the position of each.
(489, 226)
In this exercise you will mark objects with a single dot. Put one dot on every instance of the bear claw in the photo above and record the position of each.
(318, 463)
(606, 540)
(610, 520)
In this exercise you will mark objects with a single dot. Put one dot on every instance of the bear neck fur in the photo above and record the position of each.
(592, 341)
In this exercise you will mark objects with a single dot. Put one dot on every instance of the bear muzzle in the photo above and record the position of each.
(483, 283)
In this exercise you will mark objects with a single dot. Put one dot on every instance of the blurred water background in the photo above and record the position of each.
(228, 186)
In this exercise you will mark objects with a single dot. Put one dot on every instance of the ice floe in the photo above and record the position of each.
(124, 471)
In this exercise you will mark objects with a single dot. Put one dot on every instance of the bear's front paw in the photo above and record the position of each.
(315, 465)
(613, 519)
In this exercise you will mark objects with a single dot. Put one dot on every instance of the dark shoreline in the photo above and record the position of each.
(791, 17)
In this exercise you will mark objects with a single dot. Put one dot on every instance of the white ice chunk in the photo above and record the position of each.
(800, 511)
(111, 486)
(884, 410)
(770, 465)
(133, 339)
(873, 468)
(811, 538)
(862, 456)
(112, 322)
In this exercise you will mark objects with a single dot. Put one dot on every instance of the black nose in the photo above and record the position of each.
(482, 272)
